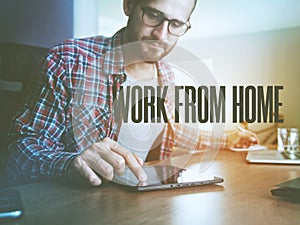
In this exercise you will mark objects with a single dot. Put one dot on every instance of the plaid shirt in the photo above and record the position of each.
(74, 109)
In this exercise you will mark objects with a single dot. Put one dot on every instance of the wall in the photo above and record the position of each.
(111, 20)
(86, 15)
(266, 58)
(36, 22)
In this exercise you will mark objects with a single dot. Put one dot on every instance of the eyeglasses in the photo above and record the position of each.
(154, 18)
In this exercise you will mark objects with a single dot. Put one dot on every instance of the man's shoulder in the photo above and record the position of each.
(89, 46)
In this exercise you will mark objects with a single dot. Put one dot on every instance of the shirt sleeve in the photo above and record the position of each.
(37, 150)
(191, 137)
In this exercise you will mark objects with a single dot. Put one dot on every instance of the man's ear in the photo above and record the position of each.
(128, 6)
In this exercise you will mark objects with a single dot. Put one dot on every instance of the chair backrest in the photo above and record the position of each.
(19, 72)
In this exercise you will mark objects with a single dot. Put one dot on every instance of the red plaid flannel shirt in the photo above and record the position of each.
(74, 109)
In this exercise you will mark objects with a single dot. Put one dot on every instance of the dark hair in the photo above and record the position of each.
(195, 3)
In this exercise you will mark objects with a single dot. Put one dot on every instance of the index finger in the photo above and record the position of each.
(130, 159)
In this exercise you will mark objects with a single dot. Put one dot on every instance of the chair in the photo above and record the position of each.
(19, 72)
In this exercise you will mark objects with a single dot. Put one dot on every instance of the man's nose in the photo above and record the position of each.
(161, 32)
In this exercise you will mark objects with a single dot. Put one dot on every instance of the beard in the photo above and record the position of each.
(152, 50)
(145, 48)
(147, 51)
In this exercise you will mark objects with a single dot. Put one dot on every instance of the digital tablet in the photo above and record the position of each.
(165, 177)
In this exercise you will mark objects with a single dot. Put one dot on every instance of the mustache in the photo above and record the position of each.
(162, 44)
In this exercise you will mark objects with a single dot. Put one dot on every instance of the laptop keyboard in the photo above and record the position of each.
(294, 156)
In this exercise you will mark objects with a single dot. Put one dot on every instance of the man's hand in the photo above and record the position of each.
(104, 158)
(242, 138)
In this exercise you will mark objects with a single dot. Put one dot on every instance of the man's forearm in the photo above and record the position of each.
(29, 161)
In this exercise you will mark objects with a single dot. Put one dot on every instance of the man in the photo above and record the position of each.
(70, 129)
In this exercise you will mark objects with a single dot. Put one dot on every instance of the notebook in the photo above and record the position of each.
(273, 156)
(288, 190)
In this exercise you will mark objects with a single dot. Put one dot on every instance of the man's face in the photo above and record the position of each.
(161, 40)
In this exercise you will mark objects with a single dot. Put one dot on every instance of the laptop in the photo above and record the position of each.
(165, 177)
(273, 156)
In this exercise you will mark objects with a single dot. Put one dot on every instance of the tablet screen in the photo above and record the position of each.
(165, 177)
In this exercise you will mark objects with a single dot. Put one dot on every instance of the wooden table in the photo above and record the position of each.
(243, 198)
